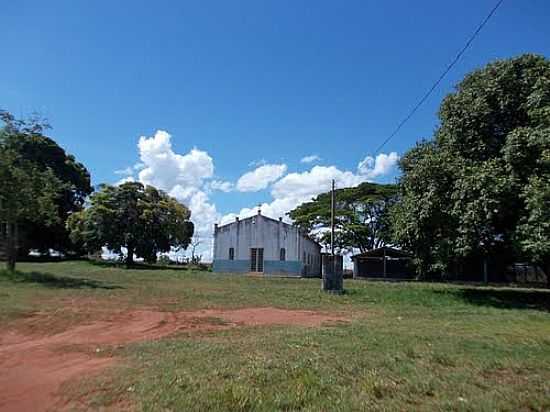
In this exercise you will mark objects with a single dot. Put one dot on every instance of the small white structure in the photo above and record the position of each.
(262, 245)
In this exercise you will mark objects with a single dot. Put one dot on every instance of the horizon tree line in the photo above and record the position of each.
(47, 202)
(479, 188)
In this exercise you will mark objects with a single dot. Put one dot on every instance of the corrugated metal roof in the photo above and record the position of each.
(390, 252)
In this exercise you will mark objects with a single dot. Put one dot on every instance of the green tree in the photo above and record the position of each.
(361, 221)
(421, 220)
(28, 192)
(533, 232)
(143, 220)
(463, 194)
(46, 154)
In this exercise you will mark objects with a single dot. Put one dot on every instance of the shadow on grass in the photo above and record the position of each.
(503, 298)
(136, 266)
(48, 259)
(51, 281)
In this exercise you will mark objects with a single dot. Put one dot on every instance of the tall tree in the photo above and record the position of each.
(421, 219)
(46, 154)
(28, 192)
(143, 220)
(362, 220)
(462, 194)
(530, 153)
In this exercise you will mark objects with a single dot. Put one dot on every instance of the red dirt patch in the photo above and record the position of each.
(271, 316)
(34, 367)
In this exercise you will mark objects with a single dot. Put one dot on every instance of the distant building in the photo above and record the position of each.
(262, 245)
(384, 262)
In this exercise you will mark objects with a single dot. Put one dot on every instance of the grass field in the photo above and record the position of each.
(407, 346)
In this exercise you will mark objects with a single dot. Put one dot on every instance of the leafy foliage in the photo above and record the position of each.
(421, 221)
(361, 221)
(29, 192)
(533, 232)
(46, 155)
(141, 219)
(478, 187)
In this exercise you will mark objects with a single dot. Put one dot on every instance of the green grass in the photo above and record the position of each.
(409, 346)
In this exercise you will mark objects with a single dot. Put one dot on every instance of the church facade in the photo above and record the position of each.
(262, 245)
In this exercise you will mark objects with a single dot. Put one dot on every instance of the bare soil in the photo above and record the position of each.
(36, 359)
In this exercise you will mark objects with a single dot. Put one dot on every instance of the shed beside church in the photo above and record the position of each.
(384, 262)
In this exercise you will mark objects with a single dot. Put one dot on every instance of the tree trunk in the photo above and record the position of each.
(130, 256)
(11, 246)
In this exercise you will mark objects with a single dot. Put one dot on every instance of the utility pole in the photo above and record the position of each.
(332, 217)
(384, 262)
(332, 265)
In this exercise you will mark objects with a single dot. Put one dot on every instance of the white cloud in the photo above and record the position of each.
(203, 213)
(297, 188)
(310, 159)
(165, 169)
(129, 171)
(256, 163)
(382, 165)
(260, 178)
(189, 177)
(310, 183)
(125, 172)
(184, 177)
(125, 180)
(221, 185)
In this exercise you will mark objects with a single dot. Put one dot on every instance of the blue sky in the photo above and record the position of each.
(246, 81)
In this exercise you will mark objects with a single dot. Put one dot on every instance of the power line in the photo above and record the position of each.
(447, 70)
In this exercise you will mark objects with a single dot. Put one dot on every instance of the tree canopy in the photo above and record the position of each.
(29, 192)
(478, 187)
(361, 220)
(143, 220)
(46, 155)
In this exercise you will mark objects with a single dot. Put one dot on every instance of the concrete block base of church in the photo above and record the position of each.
(264, 246)
(271, 267)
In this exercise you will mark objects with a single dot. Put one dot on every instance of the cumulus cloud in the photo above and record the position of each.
(382, 165)
(125, 172)
(203, 213)
(256, 163)
(310, 159)
(129, 171)
(221, 185)
(182, 176)
(125, 180)
(189, 177)
(260, 178)
(165, 169)
(297, 188)
(310, 183)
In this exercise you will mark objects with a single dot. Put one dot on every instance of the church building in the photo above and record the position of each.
(266, 246)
